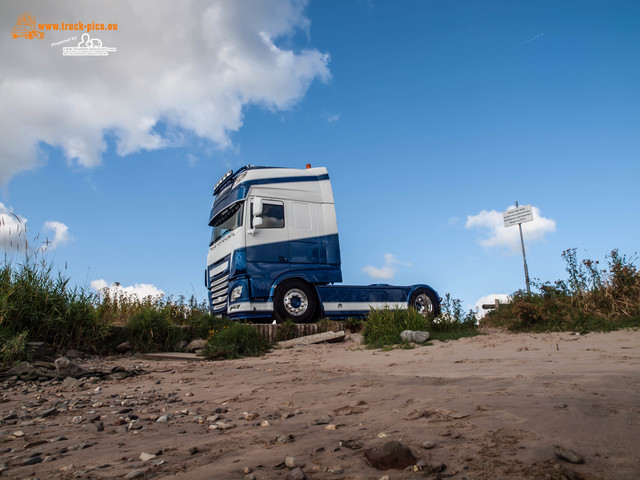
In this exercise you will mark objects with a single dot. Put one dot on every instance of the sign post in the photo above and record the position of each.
(518, 216)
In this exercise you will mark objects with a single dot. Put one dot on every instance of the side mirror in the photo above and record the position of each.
(257, 207)
(257, 212)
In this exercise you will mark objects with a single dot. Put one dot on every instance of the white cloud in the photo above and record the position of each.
(387, 271)
(192, 65)
(115, 290)
(13, 230)
(501, 236)
(489, 299)
(60, 234)
(14, 235)
(334, 118)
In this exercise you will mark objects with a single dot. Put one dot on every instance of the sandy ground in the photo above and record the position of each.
(493, 406)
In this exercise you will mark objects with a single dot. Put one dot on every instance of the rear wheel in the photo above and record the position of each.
(296, 300)
(425, 302)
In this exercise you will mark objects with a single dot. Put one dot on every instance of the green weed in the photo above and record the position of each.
(238, 340)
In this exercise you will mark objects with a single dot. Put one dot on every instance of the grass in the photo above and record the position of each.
(590, 299)
(236, 341)
(384, 326)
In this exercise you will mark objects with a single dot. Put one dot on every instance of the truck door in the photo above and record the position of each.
(267, 245)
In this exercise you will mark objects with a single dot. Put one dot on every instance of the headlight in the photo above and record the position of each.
(235, 293)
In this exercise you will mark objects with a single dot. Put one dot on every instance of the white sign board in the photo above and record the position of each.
(518, 215)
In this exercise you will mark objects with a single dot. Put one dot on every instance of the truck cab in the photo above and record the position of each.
(274, 251)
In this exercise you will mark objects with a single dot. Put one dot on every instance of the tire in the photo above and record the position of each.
(295, 300)
(425, 302)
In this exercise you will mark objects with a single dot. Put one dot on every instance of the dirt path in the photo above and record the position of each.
(492, 406)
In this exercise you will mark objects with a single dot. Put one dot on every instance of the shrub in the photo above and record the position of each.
(237, 341)
(384, 326)
(35, 300)
(151, 330)
(589, 299)
(12, 347)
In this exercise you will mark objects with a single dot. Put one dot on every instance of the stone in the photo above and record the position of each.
(179, 346)
(135, 425)
(428, 445)
(145, 457)
(162, 419)
(67, 368)
(94, 427)
(414, 336)
(32, 460)
(331, 426)
(47, 412)
(72, 353)
(194, 345)
(124, 347)
(293, 462)
(135, 474)
(295, 474)
(391, 455)
(312, 339)
(18, 434)
(70, 383)
(568, 455)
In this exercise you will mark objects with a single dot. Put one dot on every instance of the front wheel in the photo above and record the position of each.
(425, 302)
(295, 300)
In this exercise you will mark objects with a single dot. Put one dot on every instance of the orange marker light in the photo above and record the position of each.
(308, 165)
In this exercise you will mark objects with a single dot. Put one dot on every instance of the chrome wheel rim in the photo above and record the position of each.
(423, 304)
(296, 302)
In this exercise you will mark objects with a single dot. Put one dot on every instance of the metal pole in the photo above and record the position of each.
(524, 257)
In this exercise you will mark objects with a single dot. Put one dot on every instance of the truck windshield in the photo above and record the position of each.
(226, 221)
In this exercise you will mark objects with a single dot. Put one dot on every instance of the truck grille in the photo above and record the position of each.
(219, 285)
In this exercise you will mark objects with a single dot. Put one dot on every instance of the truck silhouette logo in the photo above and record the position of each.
(26, 27)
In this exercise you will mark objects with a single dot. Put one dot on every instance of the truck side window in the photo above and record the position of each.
(272, 215)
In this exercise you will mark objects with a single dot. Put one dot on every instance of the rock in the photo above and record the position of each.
(568, 455)
(71, 353)
(70, 383)
(391, 455)
(323, 420)
(194, 345)
(3, 467)
(94, 427)
(265, 423)
(37, 443)
(295, 474)
(331, 426)
(67, 368)
(414, 336)
(179, 346)
(249, 416)
(18, 434)
(293, 462)
(247, 470)
(135, 474)
(48, 412)
(312, 339)
(32, 460)
(162, 419)
(428, 445)
(135, 425)
(145, 457)
(124, 347)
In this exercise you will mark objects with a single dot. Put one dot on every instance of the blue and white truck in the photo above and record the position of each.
(274, 252)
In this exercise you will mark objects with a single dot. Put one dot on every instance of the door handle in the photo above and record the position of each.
(283, 259)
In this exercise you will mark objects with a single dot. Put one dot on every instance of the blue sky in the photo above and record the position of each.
(429, 115)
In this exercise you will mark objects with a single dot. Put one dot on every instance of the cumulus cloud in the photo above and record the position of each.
(388, 270)
(59, 232)
(138, 290)
(14, 236)
(13, 230)
(500, 236)
(179, 69)
(489, 299)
